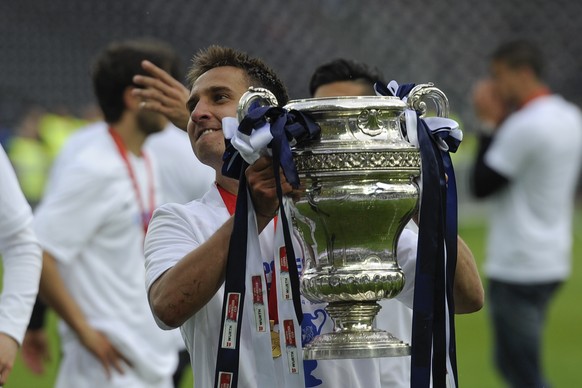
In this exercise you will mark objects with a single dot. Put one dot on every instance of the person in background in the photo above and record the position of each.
(528, 166)
(346, 77)
(21, 261)
(181, 179)
(30, 156)
(101, 193)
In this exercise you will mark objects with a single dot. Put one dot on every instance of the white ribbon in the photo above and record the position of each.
(250, 147)
(435, 124)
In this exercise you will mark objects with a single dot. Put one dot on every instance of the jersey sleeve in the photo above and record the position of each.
(21, 256)
(169, 238)
(406, 256)
(512, 148)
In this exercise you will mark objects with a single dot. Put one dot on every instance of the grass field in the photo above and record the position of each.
(563, 339)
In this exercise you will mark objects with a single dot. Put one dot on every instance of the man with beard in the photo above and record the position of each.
(91, 224)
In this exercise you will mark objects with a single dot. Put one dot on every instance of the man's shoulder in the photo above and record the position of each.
(552, 109)
(90, 151)
(198, 208)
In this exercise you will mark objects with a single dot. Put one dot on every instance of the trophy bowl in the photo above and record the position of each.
(360, 193)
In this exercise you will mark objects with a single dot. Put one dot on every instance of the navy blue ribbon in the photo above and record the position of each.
(287, 127)
(434, 274)
(228, 359)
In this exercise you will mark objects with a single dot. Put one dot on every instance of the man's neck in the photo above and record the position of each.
(229, 184)
(133, 139)
(531, 92)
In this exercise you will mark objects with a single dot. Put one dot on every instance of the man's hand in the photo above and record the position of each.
(163, 93)
(261, 180)
(489, 107)
(8, 350)
(35, 350)
(98, 344)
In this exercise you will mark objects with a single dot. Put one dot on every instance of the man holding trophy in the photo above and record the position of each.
(187, 247)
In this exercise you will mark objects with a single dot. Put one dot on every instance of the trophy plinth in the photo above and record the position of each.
(355, 335)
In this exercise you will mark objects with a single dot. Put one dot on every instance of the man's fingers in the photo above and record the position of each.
(105, 364)
(115, 362)
(116, 359)
(33, 361)
(120, 356)
(153, 84)
(159, 73)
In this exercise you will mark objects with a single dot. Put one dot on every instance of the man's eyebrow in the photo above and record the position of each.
(218, 89)
(193, 100)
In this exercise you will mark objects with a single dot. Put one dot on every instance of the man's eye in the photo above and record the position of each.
(220, 97)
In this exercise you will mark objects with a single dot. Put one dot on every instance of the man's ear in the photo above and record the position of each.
(130, 101)
(526, 73)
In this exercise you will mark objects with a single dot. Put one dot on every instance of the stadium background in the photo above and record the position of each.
(46, 48)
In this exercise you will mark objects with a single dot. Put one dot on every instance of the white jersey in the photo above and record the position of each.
(539, 149)
(188, 226)
(20, 252)
(90, 221)
(183, 177)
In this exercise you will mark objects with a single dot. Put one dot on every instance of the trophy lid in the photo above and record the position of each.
(347, 104)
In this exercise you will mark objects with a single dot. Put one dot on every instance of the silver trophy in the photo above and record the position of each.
(360, 192)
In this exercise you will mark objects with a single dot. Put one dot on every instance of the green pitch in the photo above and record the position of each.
(562, 341)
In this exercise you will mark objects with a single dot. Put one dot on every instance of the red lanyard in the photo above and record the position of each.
(538, 93)
(146, 214)
(229, 200)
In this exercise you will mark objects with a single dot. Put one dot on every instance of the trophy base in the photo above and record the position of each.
(355, 344)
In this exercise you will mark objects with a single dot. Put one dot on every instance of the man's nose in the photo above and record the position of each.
(200, 112)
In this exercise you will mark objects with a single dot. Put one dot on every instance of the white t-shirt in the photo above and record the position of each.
(539, 149)
(188, 226)
(90, 221)
(183, 177)
(20, 252)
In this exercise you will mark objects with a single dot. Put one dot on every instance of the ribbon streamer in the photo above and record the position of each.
(433, 328)
(271, 130)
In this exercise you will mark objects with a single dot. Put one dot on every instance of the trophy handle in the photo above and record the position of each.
(418, 95)
(254, 98)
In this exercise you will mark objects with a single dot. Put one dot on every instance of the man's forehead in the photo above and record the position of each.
(229, 77)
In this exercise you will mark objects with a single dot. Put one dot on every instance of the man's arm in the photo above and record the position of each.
(55, 294)
(484, 180)
(35, 346)
(491, 111)
(468, 291)
(184, 289)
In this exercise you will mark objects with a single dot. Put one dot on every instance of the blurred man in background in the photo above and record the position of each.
(528, 165)
(344, 77)
(182, 178)
(102, 191)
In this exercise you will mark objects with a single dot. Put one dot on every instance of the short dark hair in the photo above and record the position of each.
(114, 68)
(344, 70)
(520, 53)
(257, 71)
